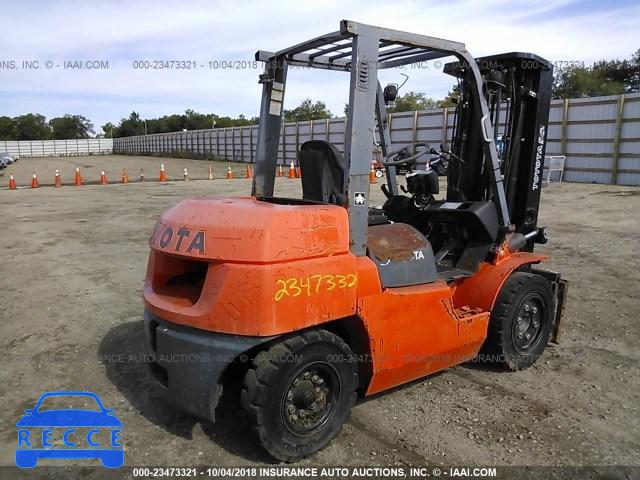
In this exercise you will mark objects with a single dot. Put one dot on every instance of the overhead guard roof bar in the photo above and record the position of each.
(409, 48)
(333, 49)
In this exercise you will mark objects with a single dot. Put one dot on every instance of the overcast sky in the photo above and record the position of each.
(122, 32)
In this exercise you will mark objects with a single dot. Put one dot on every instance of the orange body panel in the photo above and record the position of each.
(246, 230)
(259, 300)
(414, 331)
(268, 269)
(481, 290)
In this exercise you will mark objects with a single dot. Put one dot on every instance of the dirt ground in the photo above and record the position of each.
(73, 262)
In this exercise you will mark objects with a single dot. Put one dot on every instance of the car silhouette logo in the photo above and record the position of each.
(63, 424)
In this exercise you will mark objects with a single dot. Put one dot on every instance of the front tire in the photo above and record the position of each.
(521, 321)
(299, 393)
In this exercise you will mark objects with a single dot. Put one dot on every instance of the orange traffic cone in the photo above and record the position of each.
(163, 176)
(34, 181)
(103, 178)
(249, 173)
(12, 183)
(229, 173)
(280, 171)
(292, 171)
(186, 175)
(125, 178)
(372, 175)
(210, 173)
(141, 175)
(298, 172)
(57, 182)
(78, 181)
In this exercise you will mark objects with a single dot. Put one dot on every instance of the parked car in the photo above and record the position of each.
(10, 156)
(6, 158)
(3, 163)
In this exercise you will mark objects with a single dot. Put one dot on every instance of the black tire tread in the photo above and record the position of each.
(495, 343)
(258, 378)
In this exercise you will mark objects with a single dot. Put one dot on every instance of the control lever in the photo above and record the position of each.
(445, 150)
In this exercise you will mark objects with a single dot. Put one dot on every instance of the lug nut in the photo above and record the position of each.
(293, 417)
(519, 320)
(296, 382)
(292, 409)
(302, 414)
(519, 335)
(315, 378)
(535, 309)
(306, 375)
(290, 395)
(526, 307)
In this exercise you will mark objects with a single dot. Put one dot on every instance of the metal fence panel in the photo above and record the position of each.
(599, 136)
(46, 148)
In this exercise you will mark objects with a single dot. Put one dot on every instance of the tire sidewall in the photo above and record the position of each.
(293, 445)
(513, 356)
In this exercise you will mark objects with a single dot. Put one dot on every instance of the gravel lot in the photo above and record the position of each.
(73, 263)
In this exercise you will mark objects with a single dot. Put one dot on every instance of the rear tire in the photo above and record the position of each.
(521, 322)
(299, 393)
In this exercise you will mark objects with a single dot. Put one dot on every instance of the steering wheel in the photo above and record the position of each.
(415, 154)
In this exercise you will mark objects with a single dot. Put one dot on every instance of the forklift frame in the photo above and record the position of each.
(243, 286)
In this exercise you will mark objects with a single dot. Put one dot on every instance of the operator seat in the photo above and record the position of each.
(322, 168)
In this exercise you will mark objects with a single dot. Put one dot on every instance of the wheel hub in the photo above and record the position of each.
(309, 400)
(528, 324)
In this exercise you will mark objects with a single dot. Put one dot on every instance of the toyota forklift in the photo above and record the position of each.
(308, 303)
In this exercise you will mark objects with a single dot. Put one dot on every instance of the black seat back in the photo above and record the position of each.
(322, 169)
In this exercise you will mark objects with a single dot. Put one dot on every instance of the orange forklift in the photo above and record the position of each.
(309, 302)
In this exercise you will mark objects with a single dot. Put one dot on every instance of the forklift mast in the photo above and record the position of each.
(517, 88)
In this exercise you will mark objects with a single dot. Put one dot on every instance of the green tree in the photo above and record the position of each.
(241, 121)
(7, 128)
(416, 101)
(167, 123)
(451, 99)
(110, 130)
(578, 82)
(307, 110)
(413, 101)
(131, 126)
(625, 72)
(198, 121)
(71, 126)
(634, 80)
(605, 77)
(32, 126)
